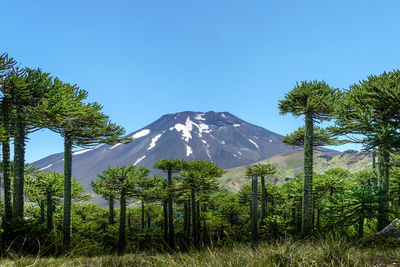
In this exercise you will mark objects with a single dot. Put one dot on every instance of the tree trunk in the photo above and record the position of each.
(42, 216)
(185, 211)
(204, 228)
(254, 206)
(165, 211)
(171, 241)
(142, 215)
(306, 220)
(198, 219)
(361, 227)
(188, 218)
(19, 161)
(67, 191)
(194, 219)
(7, 179)
(122, 219)
(49, 203)
(383, 183)
(373, 160)
(263, 201)
(111, 210)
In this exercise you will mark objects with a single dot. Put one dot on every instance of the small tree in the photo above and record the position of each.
(46, 189)
(263, 170)
(199, 177)
(102, 186)
(169, 166)
(250, 172)
(124, 182)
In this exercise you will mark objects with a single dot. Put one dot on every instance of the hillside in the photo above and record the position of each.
(290, 163)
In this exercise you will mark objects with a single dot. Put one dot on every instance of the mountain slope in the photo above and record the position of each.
(290, 163)
(219, 137)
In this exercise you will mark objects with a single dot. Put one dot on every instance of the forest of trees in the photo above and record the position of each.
(48, 212)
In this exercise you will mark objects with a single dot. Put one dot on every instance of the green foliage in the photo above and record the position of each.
(314, 98)
(321, 137)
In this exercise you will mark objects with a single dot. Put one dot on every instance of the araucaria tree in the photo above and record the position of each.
(170, 166)
(199, 177)
(263, 170)
(250, 173)
(23, 91)
(6, 66)
(46, 189)
(315, 100)
(124, 181)
(369, 114)
(80, 124)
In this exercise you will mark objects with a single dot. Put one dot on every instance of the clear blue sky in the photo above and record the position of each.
(143, 59)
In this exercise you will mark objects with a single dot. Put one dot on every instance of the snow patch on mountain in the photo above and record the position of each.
(154, 140)
(222, 142)
(114, 146)
(139, 160)
(142, 133)
(82, 151)
(188, 151)
(48, 166)
(236, 125)
(187, 128)
(254, 143)
(199, 117)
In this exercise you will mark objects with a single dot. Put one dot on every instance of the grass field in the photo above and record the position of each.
(330, 252)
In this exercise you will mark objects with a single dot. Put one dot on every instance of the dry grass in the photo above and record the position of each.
(284, 253)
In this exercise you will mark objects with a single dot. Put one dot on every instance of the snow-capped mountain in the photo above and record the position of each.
(219, 137)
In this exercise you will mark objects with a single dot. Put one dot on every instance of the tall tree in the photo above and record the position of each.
(24, 90)
(170, 166)
(80, 124)
(6, 65)
(315, 100)
(369, 114)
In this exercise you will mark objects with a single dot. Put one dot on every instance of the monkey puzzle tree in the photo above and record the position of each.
(369, 114)
(6, 65)
(80, 124)
(250, 173)
(169, 166)
(263, 170)
(125, 181)
(102, 186)
(315, 100)
(23, 91)
(46, 189)
(200, 178)
(321, 137)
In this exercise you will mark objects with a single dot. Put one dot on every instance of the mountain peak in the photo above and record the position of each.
(219, 137)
